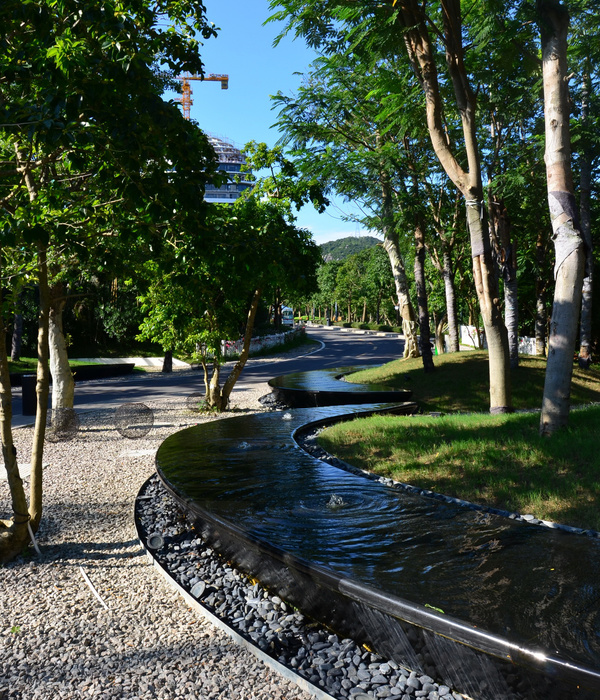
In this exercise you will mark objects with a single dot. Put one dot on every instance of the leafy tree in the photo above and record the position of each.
(206, 291)
(335, 135)
(89, 149)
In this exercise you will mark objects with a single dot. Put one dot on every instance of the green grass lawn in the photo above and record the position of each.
(498, 461)
(460, 382)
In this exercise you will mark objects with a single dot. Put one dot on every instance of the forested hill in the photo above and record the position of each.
(344, 247)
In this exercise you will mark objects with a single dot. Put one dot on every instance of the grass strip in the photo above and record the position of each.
(499, 461)
(28, 365)
(460, 382)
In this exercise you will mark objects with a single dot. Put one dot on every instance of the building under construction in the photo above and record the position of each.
(230, 161)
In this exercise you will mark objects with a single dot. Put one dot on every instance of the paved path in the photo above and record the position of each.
(339, 348)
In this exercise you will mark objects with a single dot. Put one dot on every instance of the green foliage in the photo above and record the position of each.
(199, 291)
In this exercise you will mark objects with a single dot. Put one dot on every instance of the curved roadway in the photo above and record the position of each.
(339, 348)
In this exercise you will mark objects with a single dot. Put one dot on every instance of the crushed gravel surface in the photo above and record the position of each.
(91, 617)
(57, 640)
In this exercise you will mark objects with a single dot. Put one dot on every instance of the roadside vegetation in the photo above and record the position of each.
(498, 461)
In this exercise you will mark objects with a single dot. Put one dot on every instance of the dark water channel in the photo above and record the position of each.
(326, 387)
(536, 586)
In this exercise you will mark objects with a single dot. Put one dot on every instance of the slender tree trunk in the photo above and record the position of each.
(440, 343)
(63, 385)
(392, 247)
(42, 390)
(541, 316)
(13, 533)
(43, 374)
(541, 321)
(568, 243)
(239, 365)
(507, 263)
(425, 331)
(17, 334)
(418, 42)
(585, 327)
(450, 294)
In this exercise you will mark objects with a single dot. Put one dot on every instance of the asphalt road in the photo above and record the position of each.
(339, 349)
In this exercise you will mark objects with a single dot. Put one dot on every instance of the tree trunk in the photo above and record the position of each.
(168, 361)
(391, 246)
(13, 533)
(440, 344)
(42, 391)
(213, 392)
(422, 56)
(568, 242)
(585, 186)
(17, 334)
(507, 263)
(540, 325)
(450, 294)
(425, 331)
(541, 317)
(63, 385)
(496, 336)
(239, 365)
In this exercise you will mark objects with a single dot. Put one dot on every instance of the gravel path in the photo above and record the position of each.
(57, 640)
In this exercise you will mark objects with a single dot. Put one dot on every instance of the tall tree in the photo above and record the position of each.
(335, 135)
(380, 28)
(415, 23)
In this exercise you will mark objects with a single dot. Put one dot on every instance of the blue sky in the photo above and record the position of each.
(244, 50)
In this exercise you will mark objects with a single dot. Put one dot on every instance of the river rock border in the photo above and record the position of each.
(301, 650)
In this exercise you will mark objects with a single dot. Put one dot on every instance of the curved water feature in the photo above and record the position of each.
(498, 609)
(325, 387)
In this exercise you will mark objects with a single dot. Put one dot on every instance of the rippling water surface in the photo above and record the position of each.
(534, 585)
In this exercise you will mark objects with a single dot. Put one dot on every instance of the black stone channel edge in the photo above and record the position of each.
(476, 663)
(208, 612)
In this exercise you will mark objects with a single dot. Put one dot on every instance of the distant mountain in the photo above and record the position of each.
(344, 247)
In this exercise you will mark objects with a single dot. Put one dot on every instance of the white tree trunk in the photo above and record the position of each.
(450, 295)
(63, 385)
(568, 243)
(407, 313)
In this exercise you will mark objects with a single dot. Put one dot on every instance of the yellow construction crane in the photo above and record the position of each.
(186, 88)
